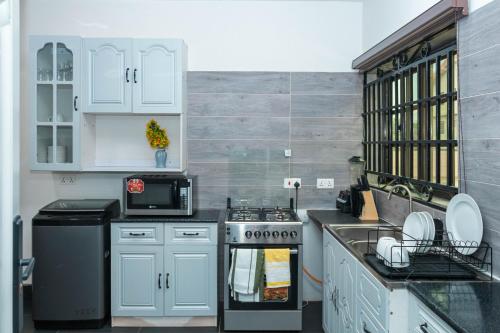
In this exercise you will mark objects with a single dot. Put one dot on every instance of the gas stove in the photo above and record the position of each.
(250, 225)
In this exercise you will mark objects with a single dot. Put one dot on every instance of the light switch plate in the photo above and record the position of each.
(289, 182)
(288, 153)
(325, 183)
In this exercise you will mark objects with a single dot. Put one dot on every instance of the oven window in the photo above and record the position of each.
(160, 195)
(270, 298)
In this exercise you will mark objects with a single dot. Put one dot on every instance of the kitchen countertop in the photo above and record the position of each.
(199, 216)
(468, 307)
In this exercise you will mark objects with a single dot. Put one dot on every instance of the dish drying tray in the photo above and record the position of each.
(437, 260)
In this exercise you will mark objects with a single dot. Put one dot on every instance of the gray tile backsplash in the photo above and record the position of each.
(479, 73)
(240, 123)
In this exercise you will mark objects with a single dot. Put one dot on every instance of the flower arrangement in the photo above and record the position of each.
(157, 136)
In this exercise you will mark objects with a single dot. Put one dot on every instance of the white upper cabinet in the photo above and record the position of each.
(107, 66)
(158, 76)
(134, 75)
(55, 102)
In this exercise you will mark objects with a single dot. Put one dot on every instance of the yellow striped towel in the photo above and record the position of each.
(277, 267)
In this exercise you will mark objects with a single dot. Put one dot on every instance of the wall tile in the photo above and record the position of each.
(323, 129)
(482, 160)
(235, 174)
(326, 105)
(238, 128)
(310, 196)
(239, 82)
(309, 172)
(480, 73)
(480, 30)
(327, 83)
(481, 116)
(216, 196)
(486, 196)
(324, 152)
(239, 105)
(237, 151)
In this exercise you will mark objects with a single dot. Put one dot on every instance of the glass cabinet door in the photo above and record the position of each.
(56, 103)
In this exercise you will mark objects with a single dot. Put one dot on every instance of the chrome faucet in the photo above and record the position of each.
(407, 191)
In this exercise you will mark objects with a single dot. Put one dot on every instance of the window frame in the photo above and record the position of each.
(381, 117)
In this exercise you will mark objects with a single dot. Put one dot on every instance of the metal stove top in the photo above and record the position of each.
(246, 225)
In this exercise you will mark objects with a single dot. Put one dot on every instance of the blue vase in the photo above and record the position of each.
(161, 158)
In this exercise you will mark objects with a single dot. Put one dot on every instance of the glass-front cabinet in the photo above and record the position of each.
(55, 87)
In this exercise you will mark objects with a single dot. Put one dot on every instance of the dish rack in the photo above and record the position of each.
(441, 259)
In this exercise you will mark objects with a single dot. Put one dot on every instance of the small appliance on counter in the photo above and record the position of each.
(158, 194)
(71, 278)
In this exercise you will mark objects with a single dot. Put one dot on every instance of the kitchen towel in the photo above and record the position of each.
(246, 273)
(277, 267)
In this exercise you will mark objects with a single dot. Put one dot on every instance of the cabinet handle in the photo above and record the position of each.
(366, 330)
(337, 300)
(74, 103)
(190, 233)
(137, 234)
(126, 75)
(166, 281)
(135, 75)
(423, 328)
(159, 281)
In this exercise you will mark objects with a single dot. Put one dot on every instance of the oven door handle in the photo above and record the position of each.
(292, 251)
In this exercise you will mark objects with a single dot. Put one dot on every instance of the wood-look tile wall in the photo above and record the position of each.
(240, 123)
(479, 74)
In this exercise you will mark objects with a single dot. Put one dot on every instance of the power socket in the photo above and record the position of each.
(68, 180)
(290, 182)
(325, 183)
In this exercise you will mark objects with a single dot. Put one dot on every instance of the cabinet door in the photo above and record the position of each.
(328, 284)
(347, 294)
(108, 75)
(191, 280)
(55, 102)
(137, 280)
(158, 76)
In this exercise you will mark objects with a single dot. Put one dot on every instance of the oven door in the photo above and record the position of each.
(267, 299)
(155, 194)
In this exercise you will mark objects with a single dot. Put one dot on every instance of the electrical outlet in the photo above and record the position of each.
(68, 180)
(290, 182)
(325, 183)
(288, 153)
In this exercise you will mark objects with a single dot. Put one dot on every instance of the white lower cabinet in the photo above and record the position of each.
(424, 320)
(153, 275)
(354, 301)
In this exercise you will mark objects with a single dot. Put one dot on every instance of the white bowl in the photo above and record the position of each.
(396, 256)
(382, 244)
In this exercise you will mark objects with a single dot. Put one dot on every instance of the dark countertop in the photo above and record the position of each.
(468, 307)
(199, 216)
(331, 216)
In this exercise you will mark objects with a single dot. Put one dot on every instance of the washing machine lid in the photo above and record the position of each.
(75, 206)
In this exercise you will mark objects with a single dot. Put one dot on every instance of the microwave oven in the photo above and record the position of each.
(158, 194)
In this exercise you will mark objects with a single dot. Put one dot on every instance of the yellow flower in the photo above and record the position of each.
(156, 136)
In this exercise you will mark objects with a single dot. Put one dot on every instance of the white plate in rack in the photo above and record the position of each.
(414, 231)
(464, 223)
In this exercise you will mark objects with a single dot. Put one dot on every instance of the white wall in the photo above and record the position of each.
(9, 150)
(383, 17)
(221, 35)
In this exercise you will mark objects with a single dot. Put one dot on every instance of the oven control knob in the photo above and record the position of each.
(284, 234)
(248, 234)
(293, 234)
(266, 234)
(257, 234)
(276, 234)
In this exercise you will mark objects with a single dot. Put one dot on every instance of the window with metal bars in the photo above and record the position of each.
(411, 123)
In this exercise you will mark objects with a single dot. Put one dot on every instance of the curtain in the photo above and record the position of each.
(4, 12)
